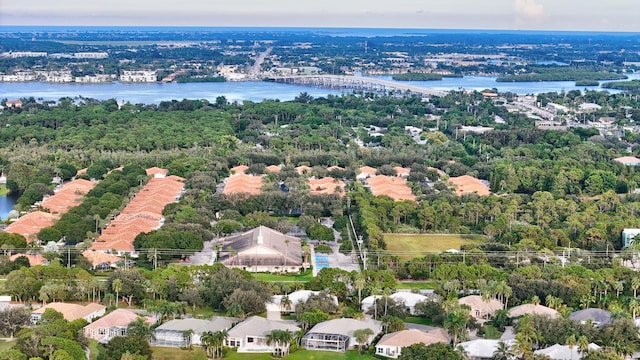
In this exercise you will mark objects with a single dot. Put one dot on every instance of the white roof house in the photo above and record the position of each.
(564, 352)
(628, 160)
(481, 308)
(589, 107)
(262, 250)
(594, 316)
(483, 348)
(338, 334)
(390, 345)
(523, 309)
(409, 299)
(175, 332)
(251, 335)
(295, 298)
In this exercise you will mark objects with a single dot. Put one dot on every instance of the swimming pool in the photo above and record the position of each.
(322, 261)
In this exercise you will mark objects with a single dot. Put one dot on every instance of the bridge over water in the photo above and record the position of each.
(355, 83)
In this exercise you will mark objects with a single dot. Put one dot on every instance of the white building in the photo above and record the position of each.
(391, 345)
(296, 297)
(338, 334)
(185, 332)
(250, 336)
(407, 298)
(139, 76)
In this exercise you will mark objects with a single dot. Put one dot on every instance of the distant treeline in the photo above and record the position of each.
(188, 79)
(423, 76)
(587, 83)
(562, 75)
(632, 85)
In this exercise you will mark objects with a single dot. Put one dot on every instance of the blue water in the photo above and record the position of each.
(322, 261)
(6, 204)
(254, 90)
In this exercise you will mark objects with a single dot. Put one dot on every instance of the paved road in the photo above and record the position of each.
(256, 69)
(205, 257)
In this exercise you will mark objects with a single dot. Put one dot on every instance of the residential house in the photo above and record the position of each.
(303, 170)
(294, 298)
(628, 160)
(34, 259)
(533, 309)
(240, 169)
(111, 325)
(482, 349)
(565, 352)
(628, 236)
(243, 184)
(185, 332)
(338, 334)
(466, 184)
(394, 187)
(481, 308)
(365, 172)
(407, 298)
(594, 316)
(157, 172)
(71, 311)
(262, 250)
(100, 260)
(29, 225)
(326, 185)
(250, 336)
(390, 345)
(274, 169)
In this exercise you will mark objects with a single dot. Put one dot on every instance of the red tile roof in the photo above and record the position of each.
(393, 187)
(142, 214)
(242, 183)
(240, 169)
(273, 168)
(96, 258)
(466, 184)
(157, 172)
(303, 169)
(326, 185)
(31, 223)
(34, 259)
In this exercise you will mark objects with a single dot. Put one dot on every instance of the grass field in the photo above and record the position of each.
(417, 285)
(408, 246)
(3, 190)
(167, 353)
(5, 345)
(418, 320)
(304, 277)
(303, 355)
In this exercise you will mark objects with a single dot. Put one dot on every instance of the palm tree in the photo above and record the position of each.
(116, 286)
(362, 336)
(360, 283)
(386, 293)
(456, 324)
(218, 340)
(141, 329)
(503, 352)
(634, 307)
(618, 286)
(535, 300)
(207, 341)
(635, 285)
(583, 344)
(281, 339)
(571, 342)
(285, 303)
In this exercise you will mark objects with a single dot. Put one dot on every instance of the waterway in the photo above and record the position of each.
(6, 204)
(253, 90)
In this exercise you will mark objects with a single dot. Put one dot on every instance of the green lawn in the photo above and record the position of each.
(490, 332)
(416, 285)
(5, 345)
(3, 190)
(408, 246)
(304, 277)
(168, 353)
(303, 355)
(418, 320)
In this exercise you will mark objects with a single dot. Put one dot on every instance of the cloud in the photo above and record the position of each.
(529, 8)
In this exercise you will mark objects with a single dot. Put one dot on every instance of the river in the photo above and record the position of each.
(6, 204)
(252, 90)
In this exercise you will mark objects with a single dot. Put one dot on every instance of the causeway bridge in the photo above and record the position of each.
(356, 83)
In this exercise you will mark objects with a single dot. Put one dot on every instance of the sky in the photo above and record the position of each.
(572, 15)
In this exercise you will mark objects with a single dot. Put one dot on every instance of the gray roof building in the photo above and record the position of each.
(337, 334)
(262, 250)
(597, 317)
(250, 335)
(183, 332)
